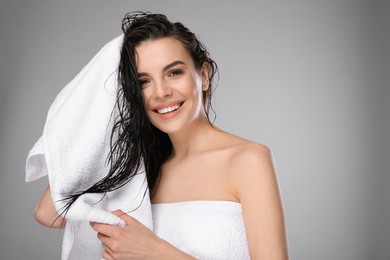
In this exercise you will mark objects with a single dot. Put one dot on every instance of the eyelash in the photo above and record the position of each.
(175, 73)
(142, 82)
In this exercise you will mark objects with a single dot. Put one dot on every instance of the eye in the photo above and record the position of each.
(175, 73)
(143, 82)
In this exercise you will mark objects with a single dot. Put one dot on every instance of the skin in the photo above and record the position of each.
(240, 170)
(45, 212)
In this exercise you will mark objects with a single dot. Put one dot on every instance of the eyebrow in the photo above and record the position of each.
(167, 67)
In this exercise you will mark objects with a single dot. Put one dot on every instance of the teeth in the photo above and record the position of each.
(168, 109)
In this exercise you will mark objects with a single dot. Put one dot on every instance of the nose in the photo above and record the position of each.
(162, 90)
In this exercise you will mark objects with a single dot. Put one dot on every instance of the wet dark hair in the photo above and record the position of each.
(134, 139)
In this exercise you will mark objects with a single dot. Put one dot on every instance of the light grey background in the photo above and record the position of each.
(307, 78)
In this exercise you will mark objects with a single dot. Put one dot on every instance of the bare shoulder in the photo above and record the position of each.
(251, 167)
(246, 154)
(243, 158)
(251, 153)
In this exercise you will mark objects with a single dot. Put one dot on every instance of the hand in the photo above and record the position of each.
(134, 241)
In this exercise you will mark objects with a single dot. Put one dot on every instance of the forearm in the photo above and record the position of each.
(168, 251)
(45, 212)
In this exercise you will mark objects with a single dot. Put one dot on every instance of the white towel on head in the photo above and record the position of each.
(73, 152)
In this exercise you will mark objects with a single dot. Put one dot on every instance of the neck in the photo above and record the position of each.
(193, 139)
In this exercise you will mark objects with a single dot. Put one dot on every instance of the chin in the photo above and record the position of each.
(169, 130)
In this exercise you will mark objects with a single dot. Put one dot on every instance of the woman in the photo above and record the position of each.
(214, 195)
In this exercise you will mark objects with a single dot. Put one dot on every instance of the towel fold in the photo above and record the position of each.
(73, 152)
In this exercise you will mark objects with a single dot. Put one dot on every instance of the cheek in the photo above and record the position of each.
(191, 86)
(196, 85)
(146, 98)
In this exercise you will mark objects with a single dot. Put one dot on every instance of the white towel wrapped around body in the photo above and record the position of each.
(73, 152)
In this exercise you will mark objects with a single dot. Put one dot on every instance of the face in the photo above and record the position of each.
(171, 85)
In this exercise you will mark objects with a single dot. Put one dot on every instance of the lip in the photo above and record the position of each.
(165, 105)
(170, 114)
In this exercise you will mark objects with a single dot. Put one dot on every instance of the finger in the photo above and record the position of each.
(107, 252)
(106, 255)
(118, 212)
(107, 243)
(104, 229)
(103, 238)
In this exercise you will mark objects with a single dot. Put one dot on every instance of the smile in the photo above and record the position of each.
(169, 109)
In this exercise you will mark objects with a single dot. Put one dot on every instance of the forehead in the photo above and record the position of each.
(158, 53)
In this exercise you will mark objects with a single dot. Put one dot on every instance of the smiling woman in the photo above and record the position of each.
(214, 195)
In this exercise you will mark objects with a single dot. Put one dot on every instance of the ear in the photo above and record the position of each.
(205, 76)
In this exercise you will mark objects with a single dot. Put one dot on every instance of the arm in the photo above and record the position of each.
(134, 241)
(45, 212)
(257, 190)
